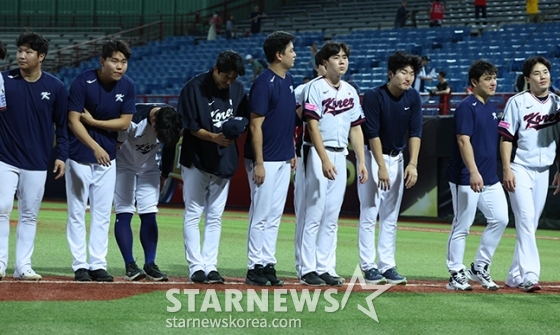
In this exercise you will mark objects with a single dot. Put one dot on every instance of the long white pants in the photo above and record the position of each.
(267, 205)
(96, 182)
(387, 204)
(323, 199)
(29, 187)
(299, 210)
(527, 203)
(492, 203)
(206, 192)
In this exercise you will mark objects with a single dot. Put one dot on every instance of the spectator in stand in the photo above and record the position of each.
(313, 49)
(443, 89)
(422, 77)
(256, 65)
(480, 8)
(214, 29)
(436, 14)
(230, 27)
(533, 13)
(255, 18)
(402, 15)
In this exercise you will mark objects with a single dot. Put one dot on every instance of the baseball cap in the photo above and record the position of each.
(233, 127)
(248, 57)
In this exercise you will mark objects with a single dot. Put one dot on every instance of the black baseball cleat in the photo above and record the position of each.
(214, 277)
(82, 275)
(134, 273)
(198, 277)
(100, 275)
(270, 273)
(153, 273)
(312, 279)
(256, 276)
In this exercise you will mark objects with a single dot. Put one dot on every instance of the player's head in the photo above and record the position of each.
(537, 73)
(335, 57)
(403, 68)
(319, 66)
(229, 65)
(32, 48)
(168, 125)
(114, 60)
(279, 48)
(3, 51)
(441, 75)
(482, 77)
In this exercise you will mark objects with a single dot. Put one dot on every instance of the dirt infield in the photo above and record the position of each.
(65, 289)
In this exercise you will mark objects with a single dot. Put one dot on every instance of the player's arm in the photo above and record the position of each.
(506, 148)
(357, 139)
(60, 119)
(467, 154)
(414, 140)
(383, 173)
(255, 125)
(119, 124)
(77, 127)
(371, 106)
(329, 170)
(206, 135)
(167, 158)
(507, 128)
(556, 180)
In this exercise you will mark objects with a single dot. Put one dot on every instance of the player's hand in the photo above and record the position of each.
(556, 182)
(410, 176)
(476, 181)
(258, 173)
(384, 181)
(162, 181)
(362, 173)
(329, 170)
(293, 163)
(59, 168)
(509, 180)
(221, 140)
(102, 157)
(87, 118)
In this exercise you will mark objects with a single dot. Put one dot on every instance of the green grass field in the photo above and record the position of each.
(421, 250)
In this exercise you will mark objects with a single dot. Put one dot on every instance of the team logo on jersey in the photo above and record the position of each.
(119, 97)
(45, 95)
(219, 117)
(334, 107)
(406, 108)
(146, 148)
(211, 103)
(91, 81)
(292, 88)
(12, 76)
(495, 116)
(537, 121)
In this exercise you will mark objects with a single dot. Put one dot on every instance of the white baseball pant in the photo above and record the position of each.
(323, 200)
(299, 209)
(206, 192)
(29, 187)
(527, 203)
(493, 204)
(136, 185)
(387, 204)
(96, 182)
(267, 205)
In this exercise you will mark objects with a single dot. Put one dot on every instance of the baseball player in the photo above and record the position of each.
(299, 178)
(392, 112)
(270, 155)
(473, 180)
(101, 103)
(138, 181)
(209, 158)
(332, 112)
(531, 123)
(36, 105)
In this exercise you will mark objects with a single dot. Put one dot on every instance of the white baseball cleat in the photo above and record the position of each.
(459, 282)
(482, 276)
(28, 274)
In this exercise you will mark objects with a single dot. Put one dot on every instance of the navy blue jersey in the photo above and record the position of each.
(480, 122)
(27, 126)
(273, 97)
(104, 102)
(391, 118)
(204, 106)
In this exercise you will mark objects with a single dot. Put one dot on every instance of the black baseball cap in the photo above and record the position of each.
(233, 127)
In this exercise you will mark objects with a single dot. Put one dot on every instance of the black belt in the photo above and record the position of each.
(335, 149)
(391, 153)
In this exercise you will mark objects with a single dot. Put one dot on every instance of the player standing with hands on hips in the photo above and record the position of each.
(332, 112)
(270, 155)
(101, 103)
(392, 111)
(531, 120)
(473, 180)
(212, 104)
(36, 104)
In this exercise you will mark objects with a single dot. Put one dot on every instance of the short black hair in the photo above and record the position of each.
(532, 61)
(481, 67)
(276, 42)
(3, 51)
(113, 46)
(168, 125)
(442, 73)
(230, 60)
(318, 59)
(332, 48)
(400, 60)
(36, 42)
